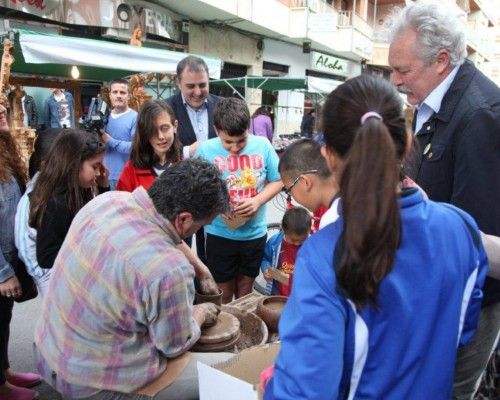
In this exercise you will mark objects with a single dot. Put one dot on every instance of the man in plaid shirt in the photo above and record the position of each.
(119, 302)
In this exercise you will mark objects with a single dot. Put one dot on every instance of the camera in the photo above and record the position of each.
(96, 117)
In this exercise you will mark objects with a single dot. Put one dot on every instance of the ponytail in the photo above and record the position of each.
(371, 212)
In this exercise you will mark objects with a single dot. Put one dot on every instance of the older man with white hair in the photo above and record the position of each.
(457, 157)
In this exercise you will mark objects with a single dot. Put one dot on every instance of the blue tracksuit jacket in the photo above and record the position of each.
(427, 305)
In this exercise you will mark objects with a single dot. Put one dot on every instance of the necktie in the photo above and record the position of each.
(414, 122)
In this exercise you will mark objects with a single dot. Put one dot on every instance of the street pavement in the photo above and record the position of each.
(26, 314)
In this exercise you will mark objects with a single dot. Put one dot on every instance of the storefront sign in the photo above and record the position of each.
(162, 24)
(104, 13)
(330, 64)
(37, 7)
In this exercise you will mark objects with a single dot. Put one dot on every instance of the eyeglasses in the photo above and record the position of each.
(288, 191)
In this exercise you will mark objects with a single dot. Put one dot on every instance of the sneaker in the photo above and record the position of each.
(24, 379)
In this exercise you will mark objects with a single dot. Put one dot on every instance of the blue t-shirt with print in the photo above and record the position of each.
(246, 174)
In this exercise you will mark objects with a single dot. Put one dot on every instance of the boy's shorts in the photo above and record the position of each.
(228, 258)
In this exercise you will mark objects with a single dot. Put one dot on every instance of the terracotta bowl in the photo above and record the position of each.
(252, 332)
(270, 309)
(208, 298)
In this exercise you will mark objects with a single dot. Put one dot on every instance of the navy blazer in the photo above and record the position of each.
(185, 129)
(457, 154)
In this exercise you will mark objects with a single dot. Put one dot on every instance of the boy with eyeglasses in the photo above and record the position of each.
(235, 242)
(307, 179)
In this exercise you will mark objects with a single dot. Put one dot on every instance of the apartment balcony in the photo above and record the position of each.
(487, 7)
(479, 41)
(342, 32)
(354, 35)
(380, 55)
(262, 17)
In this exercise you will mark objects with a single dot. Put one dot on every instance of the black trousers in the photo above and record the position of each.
(200, 245)
(6, 306)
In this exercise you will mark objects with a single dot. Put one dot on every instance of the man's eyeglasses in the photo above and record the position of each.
(288, 191)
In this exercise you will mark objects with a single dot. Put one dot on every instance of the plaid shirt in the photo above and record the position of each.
(119, 300)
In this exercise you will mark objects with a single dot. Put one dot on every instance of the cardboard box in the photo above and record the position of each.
(237, 378)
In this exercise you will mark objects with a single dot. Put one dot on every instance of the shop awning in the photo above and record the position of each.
(263, 82)
(321, 85)
(309, 83)
(53, 55)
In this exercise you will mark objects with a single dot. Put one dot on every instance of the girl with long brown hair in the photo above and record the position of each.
(72, 169)
(13, 177)
(383, 296)
(155, 146)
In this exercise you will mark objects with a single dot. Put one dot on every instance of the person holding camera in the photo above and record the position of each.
(118, 132)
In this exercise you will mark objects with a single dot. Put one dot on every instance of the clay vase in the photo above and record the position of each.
(270, 309)
(208, 298)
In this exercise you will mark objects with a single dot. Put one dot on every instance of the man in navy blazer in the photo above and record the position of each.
(194, 109)
(193, 105)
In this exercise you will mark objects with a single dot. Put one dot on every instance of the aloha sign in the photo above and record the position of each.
(326, 63)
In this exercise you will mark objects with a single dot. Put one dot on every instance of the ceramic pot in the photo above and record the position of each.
(270, 309)
(208, 298)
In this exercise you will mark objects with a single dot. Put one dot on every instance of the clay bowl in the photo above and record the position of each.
(253, 331)
(208, 298)
(270, 309)
(220, 337)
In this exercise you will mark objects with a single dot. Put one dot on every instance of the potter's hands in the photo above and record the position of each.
(205, 313)
(11, 288)
(207, 283)
(208, 286)
(211, 313)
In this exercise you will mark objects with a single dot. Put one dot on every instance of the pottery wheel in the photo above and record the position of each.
(226, 328)
(222, 346)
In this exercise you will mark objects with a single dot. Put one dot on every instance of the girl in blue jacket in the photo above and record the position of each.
(383, 296)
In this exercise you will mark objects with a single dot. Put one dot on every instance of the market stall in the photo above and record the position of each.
(55, 61)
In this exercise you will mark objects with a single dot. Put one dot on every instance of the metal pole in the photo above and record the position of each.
(353, 11)
(157, 85)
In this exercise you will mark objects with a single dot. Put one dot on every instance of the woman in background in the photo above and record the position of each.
(13, 386)
(261, 124)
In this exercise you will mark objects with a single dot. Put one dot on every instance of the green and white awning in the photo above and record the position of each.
(53, 55)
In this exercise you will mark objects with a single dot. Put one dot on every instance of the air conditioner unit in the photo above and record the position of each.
(115, 33)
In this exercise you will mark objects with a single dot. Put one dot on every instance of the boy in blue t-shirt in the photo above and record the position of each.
(235, 242)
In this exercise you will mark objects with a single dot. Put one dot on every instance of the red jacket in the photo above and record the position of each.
(131, 178)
